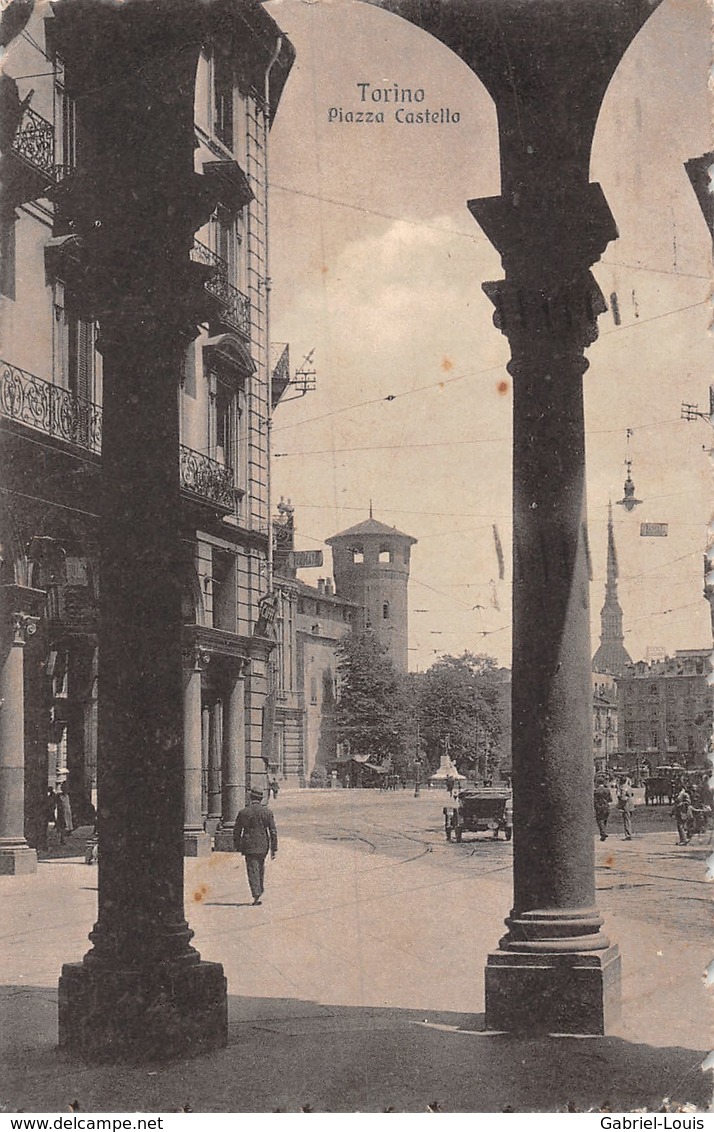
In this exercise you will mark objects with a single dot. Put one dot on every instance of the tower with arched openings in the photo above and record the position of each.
(370, 563)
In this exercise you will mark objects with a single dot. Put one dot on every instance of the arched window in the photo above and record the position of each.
(385, 611)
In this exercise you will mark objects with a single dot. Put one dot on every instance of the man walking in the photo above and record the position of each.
(254, 833)
(626, 804)
(683, 814)
(602, 799)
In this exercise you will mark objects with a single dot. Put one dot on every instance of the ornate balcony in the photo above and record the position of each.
(34, 142)
(28, 163)
(207, 480)
(49, 409)
(233, 305)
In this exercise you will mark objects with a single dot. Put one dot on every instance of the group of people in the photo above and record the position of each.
(625, 803)
(692, 808)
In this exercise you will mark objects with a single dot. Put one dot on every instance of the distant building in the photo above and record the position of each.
(611, 657)
(665, 710)
(371, 570)
(605, 730)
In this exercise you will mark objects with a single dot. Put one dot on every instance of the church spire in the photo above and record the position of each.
(612, 656)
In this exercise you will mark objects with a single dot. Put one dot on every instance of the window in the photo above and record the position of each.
(357, 557)
(227, 242)
(313, 689)
(77, 365)
(225, 423)
(223, 99)
(7, 253)
(385, 611)
(223, 590)
(385, 556)
(66, 123)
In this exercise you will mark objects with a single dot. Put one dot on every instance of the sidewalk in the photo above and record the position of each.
(357, 985)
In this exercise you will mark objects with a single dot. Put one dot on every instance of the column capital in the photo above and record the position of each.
(196, 657)
(22, 627)
(549, 302)
(546, 238)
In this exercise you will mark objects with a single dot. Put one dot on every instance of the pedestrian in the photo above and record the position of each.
(273, 787)
(683, 814)
(450, 783)
(254, 834)
(626, 805)
(602, 799)
(64, 823)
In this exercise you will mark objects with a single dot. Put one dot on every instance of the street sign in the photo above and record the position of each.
(654, 530)
(303, 559)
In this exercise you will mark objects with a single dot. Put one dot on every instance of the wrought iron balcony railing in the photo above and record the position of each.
(235, 306)
(206, 478)
(58, 413)
(50, 409)
(34, 142)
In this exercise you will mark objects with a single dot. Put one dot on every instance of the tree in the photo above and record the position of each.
(467, 699)
(371, 716)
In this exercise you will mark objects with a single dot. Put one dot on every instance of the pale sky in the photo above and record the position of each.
(377, 264)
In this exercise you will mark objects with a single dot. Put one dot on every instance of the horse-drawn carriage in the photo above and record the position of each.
(477, 809)
(661, 787)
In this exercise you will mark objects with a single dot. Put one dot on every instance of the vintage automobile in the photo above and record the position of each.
(477, 809)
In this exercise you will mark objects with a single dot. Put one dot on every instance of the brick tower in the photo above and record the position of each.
(370, 562)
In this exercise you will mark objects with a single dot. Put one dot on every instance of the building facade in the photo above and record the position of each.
(605, 731)
(51, 416)
(665, 711)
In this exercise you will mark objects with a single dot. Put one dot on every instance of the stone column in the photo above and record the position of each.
(196, 842)
(215, 743)
(16, 857)
(554, 969)
(134, 202)
(233, 792)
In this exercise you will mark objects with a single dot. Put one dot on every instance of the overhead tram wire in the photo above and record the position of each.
(490, 369)
(446, 443)
(476, 236)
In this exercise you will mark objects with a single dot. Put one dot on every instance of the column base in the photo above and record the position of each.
(223, 841)
(556, 993)
(120, 1014)
(196, 843)
(17, 860)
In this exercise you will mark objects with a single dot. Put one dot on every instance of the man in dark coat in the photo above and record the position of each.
(602, 799)
(254, 833)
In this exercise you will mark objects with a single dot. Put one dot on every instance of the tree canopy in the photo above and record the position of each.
(371, 717)
(464, 702)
